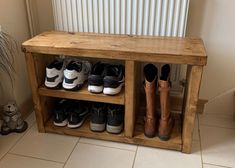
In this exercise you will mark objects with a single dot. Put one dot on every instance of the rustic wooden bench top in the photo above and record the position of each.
(122, 47)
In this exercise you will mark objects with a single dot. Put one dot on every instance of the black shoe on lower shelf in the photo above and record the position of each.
(77, 114)
(98, 117)
(60, 113)
(115, 119)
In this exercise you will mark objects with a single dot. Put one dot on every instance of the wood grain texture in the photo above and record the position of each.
(194, 75)
(130, 99)
(34, 86)
(121, 47)
(131, 50)
(83, 94)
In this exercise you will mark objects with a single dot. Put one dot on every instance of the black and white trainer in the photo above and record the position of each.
(95, 79)
(115, 119)
(114, 79)
(75, 74)
(60, 113)
(54, 73)
(77, 114)
(98, 117)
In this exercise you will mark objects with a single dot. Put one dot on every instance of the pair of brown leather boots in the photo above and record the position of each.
(166, 121)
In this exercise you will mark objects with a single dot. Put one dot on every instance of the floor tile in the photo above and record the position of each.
(218, 120)
(218, 145)
(151, 158)
(14, 161)
(90, 156)
(44, 145)
(8, 141)
(212, 166)
(108, 144)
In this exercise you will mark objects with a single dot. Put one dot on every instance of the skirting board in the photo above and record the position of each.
(176, 103)
(27, 107)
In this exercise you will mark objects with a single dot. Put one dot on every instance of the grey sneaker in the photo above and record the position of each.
(115, 119)
(98, 117)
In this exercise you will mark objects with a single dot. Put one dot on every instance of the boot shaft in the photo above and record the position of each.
(164, 92)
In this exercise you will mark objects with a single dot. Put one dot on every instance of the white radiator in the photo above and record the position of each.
(136, 17)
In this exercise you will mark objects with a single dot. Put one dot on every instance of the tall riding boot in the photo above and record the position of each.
(150, 72)
(166, 121)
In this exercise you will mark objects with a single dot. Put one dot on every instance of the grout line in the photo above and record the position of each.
(200, 143)
(217, 165)
(133, 164)
(35, 158)
(29, 128)
(71, 151)
(107, 146)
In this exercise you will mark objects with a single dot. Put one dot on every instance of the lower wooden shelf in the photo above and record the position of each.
(139, 138)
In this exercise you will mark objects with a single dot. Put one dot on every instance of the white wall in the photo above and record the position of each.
(214, 22)
(13, 19)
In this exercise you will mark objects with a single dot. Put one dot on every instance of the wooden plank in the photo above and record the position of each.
(120, 47)
(130, 97)
(34, 86)
(83, 94)
(194, 75)
(174, 143)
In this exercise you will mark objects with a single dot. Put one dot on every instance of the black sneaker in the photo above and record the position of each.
(98, 117)
(115, 119)
(60, 113)
(95, 79)
(114, 79)
(77, 114)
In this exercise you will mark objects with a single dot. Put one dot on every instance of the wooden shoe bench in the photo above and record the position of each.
(131, 51)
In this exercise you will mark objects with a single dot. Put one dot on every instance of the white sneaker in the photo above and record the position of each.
(75, 74)
(54, 73)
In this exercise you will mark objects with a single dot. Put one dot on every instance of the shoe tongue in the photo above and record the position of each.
(76, 65)
(113, 71)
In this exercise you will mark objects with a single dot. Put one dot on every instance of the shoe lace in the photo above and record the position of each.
(113, 112)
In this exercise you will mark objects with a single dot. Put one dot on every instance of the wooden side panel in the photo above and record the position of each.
(194, 75)
(34, 86)
(130, 99)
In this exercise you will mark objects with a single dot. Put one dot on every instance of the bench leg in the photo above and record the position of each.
(194, 75)
(131, 97)
(30, 62)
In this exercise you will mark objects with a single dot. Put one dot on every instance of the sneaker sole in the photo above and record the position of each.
(113, 91)
(78, 124)
(72, 87)
(114, 129)
(62, 124)
(97, 127)
(53, 85)
(95, 89)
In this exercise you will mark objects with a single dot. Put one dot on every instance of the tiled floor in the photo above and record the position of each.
(213, 147)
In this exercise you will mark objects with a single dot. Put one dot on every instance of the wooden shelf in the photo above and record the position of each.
(83, 94)
(133, 50)
(120, 47)
(174, 143)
